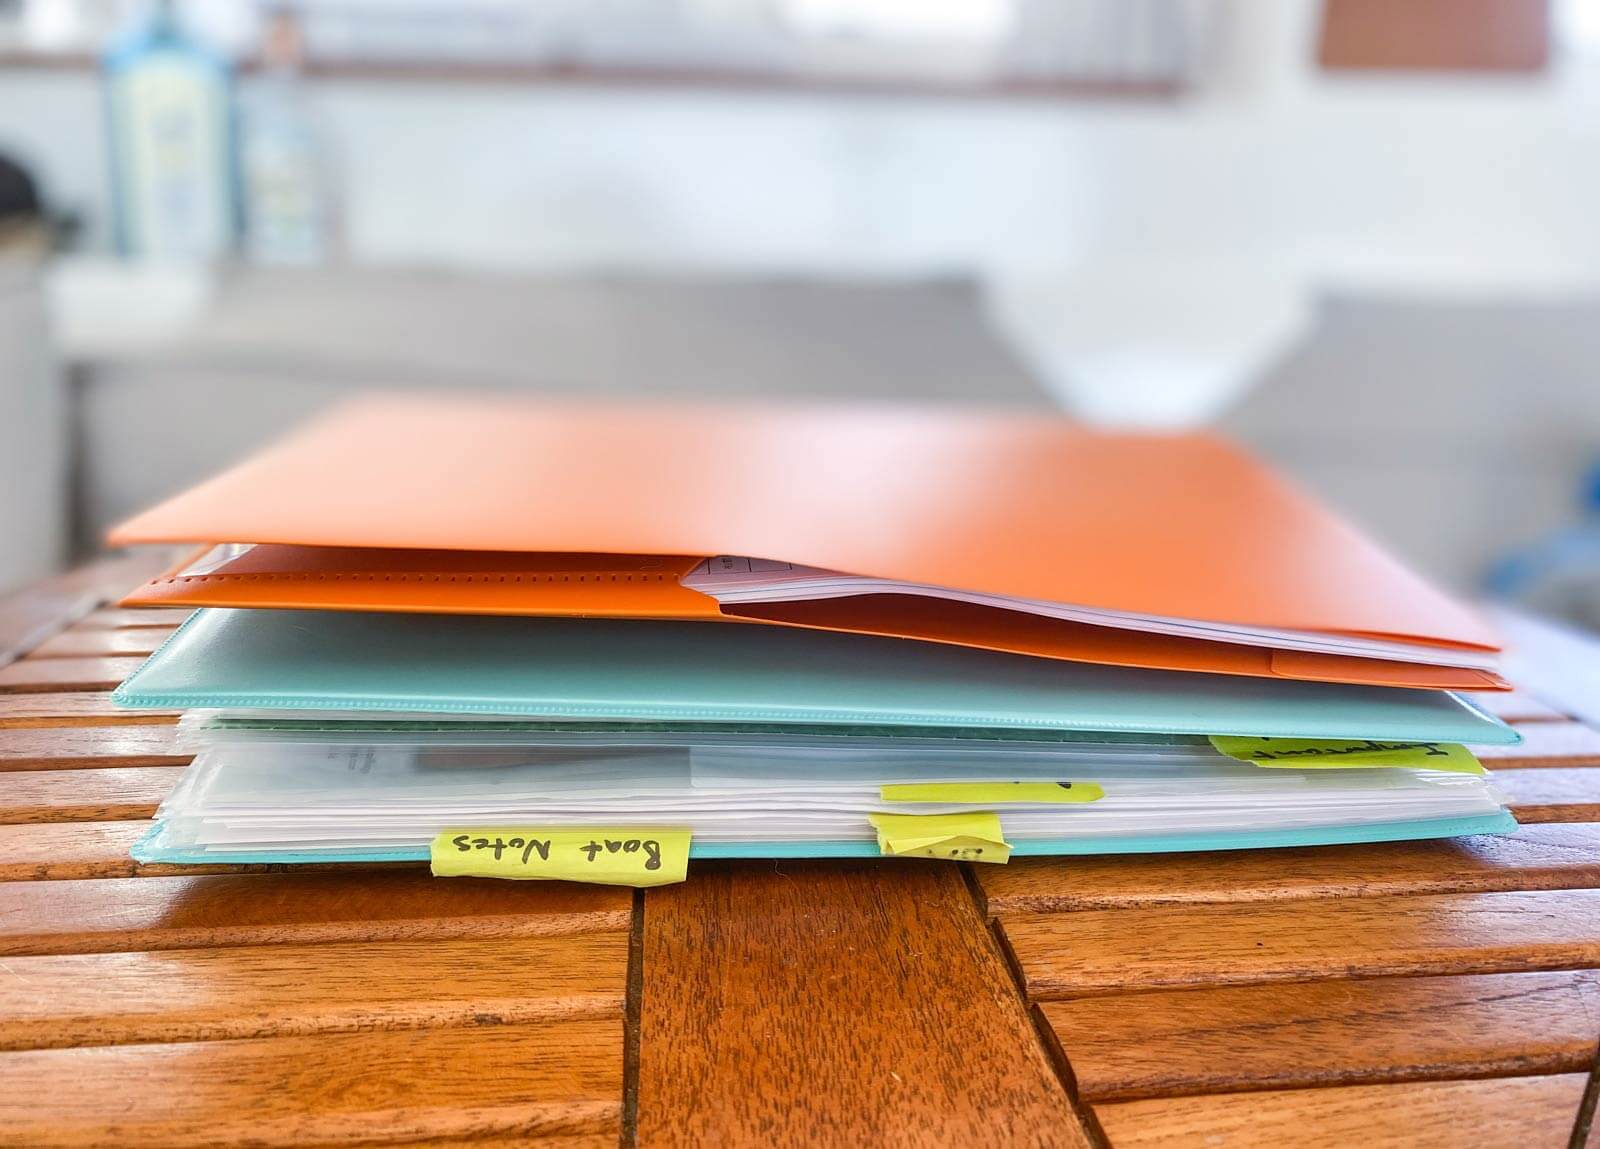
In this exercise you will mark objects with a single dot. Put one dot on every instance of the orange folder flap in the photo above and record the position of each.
(438, 582)
(1179, 526)
(628, 586)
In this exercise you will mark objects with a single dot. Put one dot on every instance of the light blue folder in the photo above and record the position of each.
(600, 670)
(706, 673)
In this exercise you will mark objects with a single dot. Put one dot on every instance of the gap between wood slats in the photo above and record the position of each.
(1102, 951)
(293, 909)
(87, 708)
(1502, 1113)
(79, 747)
(1534, 858)
(88, 795)
(276, 991)
(366, 1088)
(1303, 1034)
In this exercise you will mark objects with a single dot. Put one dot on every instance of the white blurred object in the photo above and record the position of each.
(33, 434)
(109, 307)
(171, 142)
(1152, 346)
(1558, 665)
(281, 157)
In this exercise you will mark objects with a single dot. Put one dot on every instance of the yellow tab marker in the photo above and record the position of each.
(1370, 753)
(958, 837)
(618, 857)
(991, 792)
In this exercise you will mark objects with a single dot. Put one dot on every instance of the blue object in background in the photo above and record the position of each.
(1558, 575)
(168, 106)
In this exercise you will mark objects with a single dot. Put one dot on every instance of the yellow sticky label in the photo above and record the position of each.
(1314, 754)
(990, 792)
(621, 857)
(957, 837)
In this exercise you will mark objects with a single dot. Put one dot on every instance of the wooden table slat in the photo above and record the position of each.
(299, 908)
(1100, 951)
(386, 1087)
(1498, 1113)
(1552, 793)
(276, 991)
(99, 642)
(84, 795)
(1514, 706)
(839, 1003)
(65, 850)
(1303, 1034)
(52, 675)
(1535, 858)
(61, 851)
(92, 708)
(32, 613)
(114, 617)
(1546, 744)
(81, 747)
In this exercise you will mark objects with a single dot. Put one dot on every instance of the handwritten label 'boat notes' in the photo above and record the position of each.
(957, 837)
(987, 793)
(618, 857)
(1310, 754)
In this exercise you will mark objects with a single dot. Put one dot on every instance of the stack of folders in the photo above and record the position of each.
(592, 641)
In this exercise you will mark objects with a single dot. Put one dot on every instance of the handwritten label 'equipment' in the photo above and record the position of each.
(622, 857)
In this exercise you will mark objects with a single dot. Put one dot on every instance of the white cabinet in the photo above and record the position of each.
(33, 425)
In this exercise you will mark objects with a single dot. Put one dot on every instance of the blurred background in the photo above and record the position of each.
(1362, 236)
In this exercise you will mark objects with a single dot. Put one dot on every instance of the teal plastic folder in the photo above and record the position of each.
(604, 670)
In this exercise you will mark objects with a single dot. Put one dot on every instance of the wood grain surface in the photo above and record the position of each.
(383, 1087)
(1561, 743)
(1226, 1039)
(40, 675)
(1534, 858)
(1514, 706)
(91, 708)
(1098, 951)
(835, 1004)
(102, 642)
(68, 748)
(84, 795)
(1504, 1113)
(111, 617)
(30, 615)
(277, 990)
(55, 851)
(60, 850)
(299, 908)
(1552, 794)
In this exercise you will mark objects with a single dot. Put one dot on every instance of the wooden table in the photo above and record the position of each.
(1437, 993)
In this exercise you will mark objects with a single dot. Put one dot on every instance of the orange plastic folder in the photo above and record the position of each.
(503, 507)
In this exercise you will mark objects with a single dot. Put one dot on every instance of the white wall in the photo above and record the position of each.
(1236, 202)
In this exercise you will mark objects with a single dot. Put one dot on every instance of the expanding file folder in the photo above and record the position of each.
(1015, 533)
(600, 670)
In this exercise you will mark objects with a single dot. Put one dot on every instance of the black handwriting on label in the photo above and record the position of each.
(500, 847)
(1369, 746)
(466, 844)
(651, 848)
